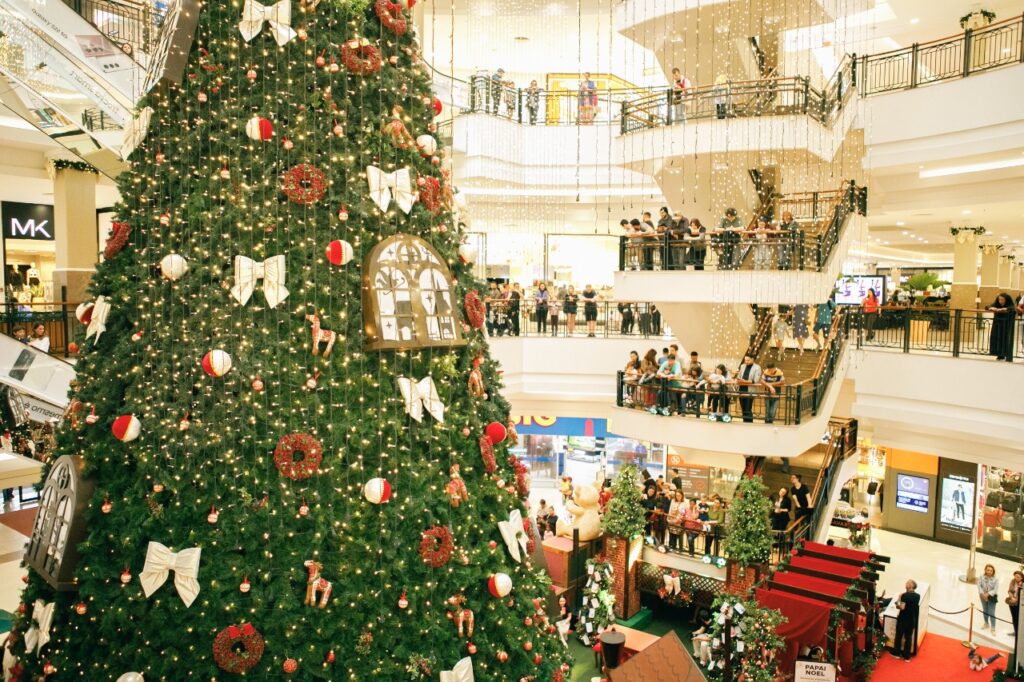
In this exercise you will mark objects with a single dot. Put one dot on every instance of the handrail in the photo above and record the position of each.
(808, 248)
(132, 27)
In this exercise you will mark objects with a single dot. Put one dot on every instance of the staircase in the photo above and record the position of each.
(795, 365)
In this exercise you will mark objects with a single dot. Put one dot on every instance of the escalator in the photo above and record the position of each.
(75, 70)
(34, 383)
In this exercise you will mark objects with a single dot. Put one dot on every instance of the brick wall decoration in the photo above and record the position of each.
(625, 588)
(740, 585)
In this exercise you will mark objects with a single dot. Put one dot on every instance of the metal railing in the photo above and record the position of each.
(791, 404)
(807, 248)
(548, 107)
(938, 330)
(611, 319)
(58, 317)
(95, 120)
(973, 51)
(132, 27)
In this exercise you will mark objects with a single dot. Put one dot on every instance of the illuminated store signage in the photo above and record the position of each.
(27, 221)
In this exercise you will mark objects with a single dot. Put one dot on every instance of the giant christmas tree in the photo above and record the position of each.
(285, 402)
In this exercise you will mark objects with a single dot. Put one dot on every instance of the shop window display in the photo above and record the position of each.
(1002, 511)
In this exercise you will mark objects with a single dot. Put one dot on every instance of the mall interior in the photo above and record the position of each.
(678, 338)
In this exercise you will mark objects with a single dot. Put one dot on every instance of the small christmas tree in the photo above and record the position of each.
(596, 611)
(754, 643)
(624, 516)
(749, 539)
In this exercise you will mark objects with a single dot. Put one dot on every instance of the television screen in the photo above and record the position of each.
(853, 289)
(957, 508)
(912, 493)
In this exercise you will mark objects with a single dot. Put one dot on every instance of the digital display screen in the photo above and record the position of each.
(912, 493)
(854, 289)
(956, 511)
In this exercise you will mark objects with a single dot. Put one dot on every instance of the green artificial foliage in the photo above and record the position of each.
(202, 473)
(63, 164)
(597, 603)
(753, 626)
(749, 538)
(624, 516)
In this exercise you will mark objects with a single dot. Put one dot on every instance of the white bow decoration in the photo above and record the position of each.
(419, 395)
(248, 271)
(278, 15)
(98, 322)
(39, 634)
(382, 184)
(160, 561)
(460, 672)
(672, 584)
(513, 535)
(136, 132)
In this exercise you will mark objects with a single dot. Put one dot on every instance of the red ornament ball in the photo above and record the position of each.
(73, 348)
(84, 312)
(330, 657)
(527, 646)
(126, 576)
(257, 385)
(245, 585)
(290, 665)
(527, 621)
(126, 428)
(437, 107)
(81, 608)
(107, 506)
(403, 602)
(492, 544)
(502, 656)
(499, 585)
(251, 75)
(537, 659)
(471, 648)
(259, 129)
(339, 252)
(217, 363)
(377, 491)
(496, 432)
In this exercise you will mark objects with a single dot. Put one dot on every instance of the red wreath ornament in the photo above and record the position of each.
(436, 547)
(475, 309)
(304, 184)
(360, 57)
(119, 234)
(390, 15)
(238, 648)
(487, 455)
(304, 444)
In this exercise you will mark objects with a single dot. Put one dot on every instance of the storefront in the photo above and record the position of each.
(559, 259)
(580, 447)
(1001, 516)
(29, 251)
(698, 479)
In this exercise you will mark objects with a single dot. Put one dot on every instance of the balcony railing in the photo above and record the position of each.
(730, 402)
(58, 318)
(935, 330)
(548, 107)
(611, 319)
(807, 248)
(959, 56)
(134, 27)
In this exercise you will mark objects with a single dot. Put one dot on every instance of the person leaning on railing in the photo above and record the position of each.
(788, 230)
(675, 252)
(533, 101)
(727, 238)
(762, 247)
(696, 239)
(1001, 338)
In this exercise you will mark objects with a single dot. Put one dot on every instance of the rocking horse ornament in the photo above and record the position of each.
(315, 584)
(396, 132)
(321, 335)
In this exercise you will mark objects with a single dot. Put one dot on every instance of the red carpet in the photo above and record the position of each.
(940, 659)
(20, 520)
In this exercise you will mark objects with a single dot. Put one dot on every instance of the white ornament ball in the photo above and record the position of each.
(468, 253)
(217, 363)
(259, 129)
(427, 144)
(499, 585)
(131, 677)
(377, 491)
(173, 266)
(84, 312)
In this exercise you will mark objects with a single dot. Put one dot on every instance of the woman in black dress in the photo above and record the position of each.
(780, 510)
(569, 304)
(1001, 340)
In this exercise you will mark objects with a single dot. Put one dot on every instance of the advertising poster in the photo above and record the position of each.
(956, 508)
(912, 493)
(854, 289)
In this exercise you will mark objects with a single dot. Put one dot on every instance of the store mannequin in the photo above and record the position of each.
(33, 272)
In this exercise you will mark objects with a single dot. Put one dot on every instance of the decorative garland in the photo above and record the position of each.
(232, 661)
(304, 184)
(119, 234)
(531, 543)
(284, 456)
(390, 15)
(436, 546)
(487, 455)
(991, 16)
(522, 476)
(67, 164)
(978, 231)
(597, 607)
(476, 311)
(360, 57)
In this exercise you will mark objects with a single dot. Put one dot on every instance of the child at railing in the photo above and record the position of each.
(717, 387)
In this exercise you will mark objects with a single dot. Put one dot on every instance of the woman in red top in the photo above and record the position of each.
(870, 307)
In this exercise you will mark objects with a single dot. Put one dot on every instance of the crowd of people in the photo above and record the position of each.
(676, 242)
(504, 97)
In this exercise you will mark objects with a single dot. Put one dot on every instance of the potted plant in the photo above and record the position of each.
(979, 18)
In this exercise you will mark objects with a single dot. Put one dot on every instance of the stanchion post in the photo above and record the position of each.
(969, 643)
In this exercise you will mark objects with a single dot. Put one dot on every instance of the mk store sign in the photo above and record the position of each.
(27, 221)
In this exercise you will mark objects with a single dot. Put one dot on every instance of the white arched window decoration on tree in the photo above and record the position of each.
(409, 300)
(60, 523)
